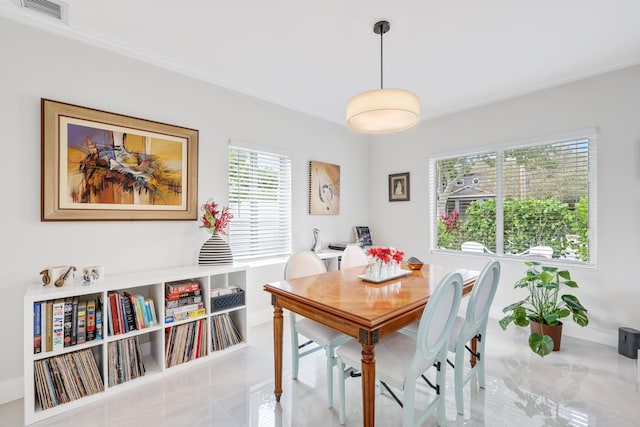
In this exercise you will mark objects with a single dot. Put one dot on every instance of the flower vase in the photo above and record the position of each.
(215, 251)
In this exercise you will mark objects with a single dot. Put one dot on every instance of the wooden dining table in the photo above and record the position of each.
(367, 311)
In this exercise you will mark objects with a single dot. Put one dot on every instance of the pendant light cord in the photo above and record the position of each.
(381, 54)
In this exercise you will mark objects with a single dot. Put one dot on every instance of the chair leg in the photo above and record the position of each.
(330, 362)
(341, 379)
(295, 357)
(458, 375)
(441, 384)
(480, 362)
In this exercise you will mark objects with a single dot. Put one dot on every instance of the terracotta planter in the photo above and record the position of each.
(555, 332)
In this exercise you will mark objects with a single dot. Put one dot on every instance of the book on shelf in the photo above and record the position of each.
(99, 322)
(151, 310)
(57, 325)
(49, 326)
(191, 314)
(186, 300)
(224, 332)
(68, 320)
(218, 292)
(82, 322)
(177, 296)
(91, 320)
(183, 286)
(185, 342)
(65, 378)
(37, 324)
(125, 361)
(74, 321)
(129, 321)
(184, 308)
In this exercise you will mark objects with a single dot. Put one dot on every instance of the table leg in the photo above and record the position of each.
(474, 350)
(368, 365)
(277, 350)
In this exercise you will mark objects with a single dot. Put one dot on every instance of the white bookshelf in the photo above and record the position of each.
(152, 339)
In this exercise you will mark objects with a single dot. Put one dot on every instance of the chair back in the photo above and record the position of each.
(303, 263)
(353, 256)
(482, 295)
(439, 315)
(474, 247)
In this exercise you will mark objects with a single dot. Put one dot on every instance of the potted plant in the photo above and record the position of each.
(544, 305)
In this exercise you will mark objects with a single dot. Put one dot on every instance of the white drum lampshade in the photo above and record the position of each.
(383, 111)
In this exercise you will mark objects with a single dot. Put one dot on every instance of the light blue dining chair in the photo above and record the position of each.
(300, 264)
(473, 325)
(401, 360)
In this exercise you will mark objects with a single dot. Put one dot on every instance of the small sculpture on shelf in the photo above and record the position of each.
(59, 275)
(317, 244)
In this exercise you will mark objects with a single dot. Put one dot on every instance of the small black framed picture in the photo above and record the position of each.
(399, 187)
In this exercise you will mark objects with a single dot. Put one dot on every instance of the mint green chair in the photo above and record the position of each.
(401, 361)
(473, 325)
(300, 264)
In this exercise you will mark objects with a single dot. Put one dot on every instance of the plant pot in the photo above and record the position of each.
(555, 332)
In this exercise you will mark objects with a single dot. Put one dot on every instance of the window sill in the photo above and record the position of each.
(519, 259)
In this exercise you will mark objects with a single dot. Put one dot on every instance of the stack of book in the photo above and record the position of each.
(183, 301)
(224, 332)
(67, 377)
(125, 360)
(65, 322)
(185, 342)
(129, 312)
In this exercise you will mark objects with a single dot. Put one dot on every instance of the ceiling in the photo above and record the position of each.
(314, 56)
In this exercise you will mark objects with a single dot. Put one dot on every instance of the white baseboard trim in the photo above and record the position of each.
(11, 390)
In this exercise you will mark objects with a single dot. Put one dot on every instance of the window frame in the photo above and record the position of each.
(589, 133)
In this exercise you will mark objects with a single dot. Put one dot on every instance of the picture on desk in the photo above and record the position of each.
(324, 188)
(363, 235)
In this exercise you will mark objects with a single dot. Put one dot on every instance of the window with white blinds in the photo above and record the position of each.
(260, 201)
(532, 200)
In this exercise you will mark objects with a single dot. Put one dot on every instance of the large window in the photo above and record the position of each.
(260, 201)
(535, 199)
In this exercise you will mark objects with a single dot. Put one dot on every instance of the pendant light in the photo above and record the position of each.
(383, 110)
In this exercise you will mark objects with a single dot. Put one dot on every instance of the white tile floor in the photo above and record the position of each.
(584, 384)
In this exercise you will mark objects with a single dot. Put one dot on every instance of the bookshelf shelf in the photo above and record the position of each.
(50, 373)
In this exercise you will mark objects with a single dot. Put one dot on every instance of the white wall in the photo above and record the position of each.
(611, 103)
(36, 64)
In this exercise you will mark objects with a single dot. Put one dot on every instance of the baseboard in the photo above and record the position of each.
(11, 390)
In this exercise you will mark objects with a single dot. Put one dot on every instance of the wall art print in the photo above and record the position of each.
(324, 188)
(98, 165)
(399, 190)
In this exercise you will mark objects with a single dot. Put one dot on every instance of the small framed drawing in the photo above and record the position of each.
(101, 166)
(324, 188)
(399, 187)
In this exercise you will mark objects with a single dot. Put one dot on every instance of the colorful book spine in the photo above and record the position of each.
(91, 320)
(74, 321)
(99, 331)
(82, 322)
(49, 327)
(57, 323)
(180, 287)
(180, 295)
(68, 321)
(37, 327)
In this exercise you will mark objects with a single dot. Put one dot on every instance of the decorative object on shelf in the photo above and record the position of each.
(544, 306)
(363, 235)
(324, 188)
(58, 275)
(414, 263)
(317, 244)
(384, 263)
(99, 166)
(399, 187)
(215, 250)
(383, 110)
(92, 274)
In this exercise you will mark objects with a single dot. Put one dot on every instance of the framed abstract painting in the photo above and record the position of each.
(99, 166)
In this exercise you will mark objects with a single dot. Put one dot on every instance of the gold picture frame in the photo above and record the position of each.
(399, 188)
(324, 188)
(101, 166)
